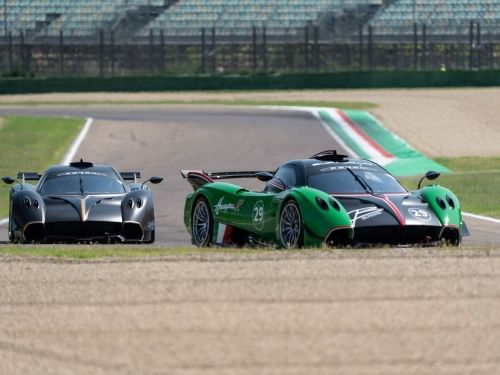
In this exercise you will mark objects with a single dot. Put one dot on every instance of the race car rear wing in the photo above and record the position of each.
(131, 176)
(198, 178)
(32, 176)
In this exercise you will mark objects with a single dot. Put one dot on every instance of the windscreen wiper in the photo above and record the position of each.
(361, 181)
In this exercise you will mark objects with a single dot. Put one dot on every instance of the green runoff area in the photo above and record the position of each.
(32, 144)
(474, 180)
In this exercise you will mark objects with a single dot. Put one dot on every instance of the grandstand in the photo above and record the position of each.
(137, 36)
(441, 17)
(40, 19)
(133, 19)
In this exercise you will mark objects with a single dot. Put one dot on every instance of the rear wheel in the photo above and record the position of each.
(202, 223)
(291, 228)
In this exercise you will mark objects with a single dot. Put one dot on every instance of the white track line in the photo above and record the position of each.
(70, 154)
(479, 217)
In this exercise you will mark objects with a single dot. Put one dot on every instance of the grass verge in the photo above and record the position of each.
(32, 144)
(133, 252)
(475, 181)
(228, 102)
(118, 251)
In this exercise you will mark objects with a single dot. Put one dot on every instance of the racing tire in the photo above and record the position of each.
(202, 223)
(291, 229)
(11, 232)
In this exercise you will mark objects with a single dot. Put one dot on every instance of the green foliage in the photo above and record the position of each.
(32, 144)
(475, 181)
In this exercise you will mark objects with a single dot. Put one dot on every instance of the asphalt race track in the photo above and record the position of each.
(360, 312)
(160, 140)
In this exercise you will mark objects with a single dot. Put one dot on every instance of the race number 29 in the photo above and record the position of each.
(258, 215)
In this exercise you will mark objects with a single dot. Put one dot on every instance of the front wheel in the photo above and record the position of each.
(202, 223)
(291, 228)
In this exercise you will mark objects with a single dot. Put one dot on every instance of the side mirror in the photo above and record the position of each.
(154, 180)
(264, 176)
(431, 175)
(8, 180)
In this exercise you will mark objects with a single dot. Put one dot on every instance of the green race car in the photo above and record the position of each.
(327, 199)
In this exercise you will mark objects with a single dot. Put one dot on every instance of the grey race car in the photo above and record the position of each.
(81, 202)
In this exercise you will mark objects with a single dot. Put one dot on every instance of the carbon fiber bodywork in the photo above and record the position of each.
(51, 212)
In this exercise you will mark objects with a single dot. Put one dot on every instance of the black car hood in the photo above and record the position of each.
(71, 208)
(367, 210)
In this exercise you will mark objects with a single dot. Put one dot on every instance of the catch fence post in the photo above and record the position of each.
(370, 47)
(316, 48)
(203, 51)
(415, 46)
(264, 48)
(101, 53)
(306, 46)
(424, 46)
(23, 57)
(151, 52)
(112, 52)
(254, 48)
(471, 45)
(9, 52)
(61, 53)
(361, 62)
(478, 44)
(213, 52)
(162, 51)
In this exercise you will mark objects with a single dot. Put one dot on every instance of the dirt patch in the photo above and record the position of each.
(438, 122)
(397, 311)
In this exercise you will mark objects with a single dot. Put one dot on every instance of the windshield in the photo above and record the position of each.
(354, 180)
(82, 183)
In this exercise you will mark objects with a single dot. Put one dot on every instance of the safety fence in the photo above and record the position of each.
(314, 50)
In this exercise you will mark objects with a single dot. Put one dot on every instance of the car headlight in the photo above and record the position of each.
(450, 201)
(130, 203)
(441, 203)
(334, 203)
(321, 202)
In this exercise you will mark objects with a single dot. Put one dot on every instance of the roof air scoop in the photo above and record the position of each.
(81, 164)
(329, 155)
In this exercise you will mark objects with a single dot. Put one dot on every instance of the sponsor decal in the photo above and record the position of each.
(238, 205)
(223, 207)
(342, 167)
(81, 173)
(364, 214)
(420, 214)
(258, 215)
